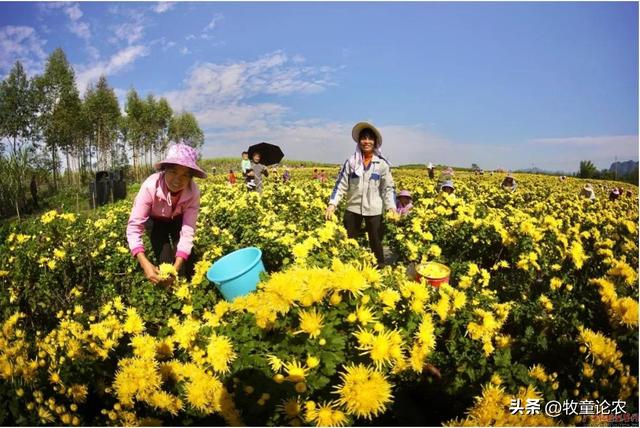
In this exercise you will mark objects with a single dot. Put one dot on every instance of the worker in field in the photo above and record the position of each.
(245, 167)
(509, 183)
(448, 173)
(447, 187)
(587, 192)
(232, 177)
(257, 172)
(404, 204)
(614, 194)
(167, 206)
(445, 175)
(430, 170)
(366, 182)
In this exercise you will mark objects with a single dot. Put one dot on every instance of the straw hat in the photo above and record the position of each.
(357, 129)
(447, 183)
(184, 155)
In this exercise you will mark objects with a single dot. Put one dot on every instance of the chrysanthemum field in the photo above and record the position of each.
(542, 305)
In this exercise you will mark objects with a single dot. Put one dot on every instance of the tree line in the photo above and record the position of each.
(45, 120)
(589, 170)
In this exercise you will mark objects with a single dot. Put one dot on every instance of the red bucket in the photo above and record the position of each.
(435, 273)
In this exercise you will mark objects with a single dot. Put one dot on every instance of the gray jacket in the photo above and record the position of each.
(259, 170)
(368, 195)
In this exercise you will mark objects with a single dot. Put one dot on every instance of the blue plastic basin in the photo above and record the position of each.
(237, 273)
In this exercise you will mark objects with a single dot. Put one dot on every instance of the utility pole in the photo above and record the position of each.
(615, 174)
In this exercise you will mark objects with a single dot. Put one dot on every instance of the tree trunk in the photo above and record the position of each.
(69, 175)
(53, 166)
(135, 162)
(17, 208)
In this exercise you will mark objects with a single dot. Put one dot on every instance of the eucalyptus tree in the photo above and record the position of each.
(58, 107)
(133, 124)
(184, 128)
(18, 126)
(103, 120)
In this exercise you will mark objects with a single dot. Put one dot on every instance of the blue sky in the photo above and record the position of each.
(510, 85)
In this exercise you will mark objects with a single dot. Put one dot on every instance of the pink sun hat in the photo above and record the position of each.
(182, 154)
(405, 193)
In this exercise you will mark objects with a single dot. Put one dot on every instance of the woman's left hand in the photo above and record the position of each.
(178, 263)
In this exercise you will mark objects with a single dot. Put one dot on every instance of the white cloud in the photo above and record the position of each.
(185, 50)
(80, 29)
(73, 12)
(220, 95)
(21, 43)
(298, 59)
(207, 30)
(130, 30)
(222, 98)
(239, 115)
(94, 53)
(118, 62)
(164, 6)
(567, 152)
(605, 140)
(214, 21)
(330, 141)
(209, 84)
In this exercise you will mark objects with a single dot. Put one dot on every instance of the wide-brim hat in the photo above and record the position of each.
(615, 191)
(357, 129)
(448, 183)
(184, 155)
(405, 193)
(588, 187)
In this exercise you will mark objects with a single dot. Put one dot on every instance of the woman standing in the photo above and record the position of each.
(167, 205)
(366, 180)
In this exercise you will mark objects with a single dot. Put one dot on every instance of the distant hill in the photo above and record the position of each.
(623, 168)
(536, 170)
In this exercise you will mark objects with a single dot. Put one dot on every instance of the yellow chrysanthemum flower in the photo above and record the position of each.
(310, 322)
(220, 353)
(364, 392)
(167, 270)
(275, 363)
(296, 372)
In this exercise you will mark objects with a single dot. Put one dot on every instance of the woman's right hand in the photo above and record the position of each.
(150, 270)
(330, 212)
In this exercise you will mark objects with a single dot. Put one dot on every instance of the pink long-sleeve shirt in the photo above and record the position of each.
(154, 201)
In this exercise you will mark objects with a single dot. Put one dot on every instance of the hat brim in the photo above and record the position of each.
(355, 132)
(197, 172)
